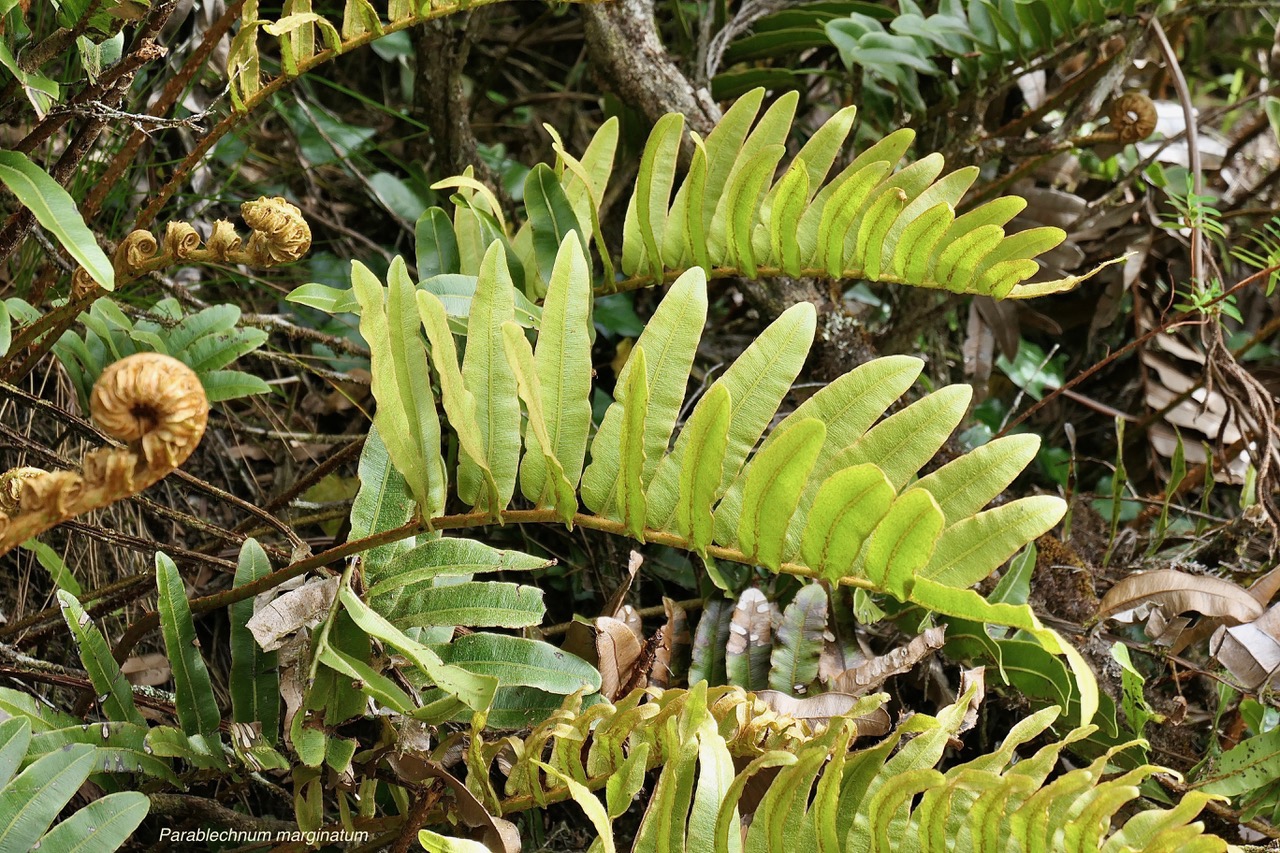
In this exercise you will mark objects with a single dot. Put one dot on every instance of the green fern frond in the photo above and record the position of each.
(884, 797)
(828, 493)
(741, 210)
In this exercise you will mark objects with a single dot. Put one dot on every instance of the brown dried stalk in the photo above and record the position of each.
(153, 403)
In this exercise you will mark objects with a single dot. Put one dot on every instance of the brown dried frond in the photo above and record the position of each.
(153, 403)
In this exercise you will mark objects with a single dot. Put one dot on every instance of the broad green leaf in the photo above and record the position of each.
(743, 203)
(695, 189)
(459, 402)
(6, 329)
(774, 481)
(756, 383)
(647, 215)
(104, 672)
(903, 442)
(967, 484)
(55, 210)
(1023, 245)
(331, 300)
(371, 682)
(967, 604)
(794, 663)
(15, 736)
(848, 407)
(584, 186)
(481, 604)
(57, 568)
(728, 835)
(41, 92)
(551, 217)
(915, 251)
(563, 365)
(820, 152)
(947, 191)
(103, 825)
(715, 775)
(383, 503)
(437, 246)
(591, 806)
(486, 372)
(792, 194)
(33, 799)
(770, 131)
(477, 691)
(458, 293)
(839, 211)
(255, 681)
(220, 385)
(849, 505)
(723, 147)
(631, 450)
(663, 825)
(903, 542)
(406, 415)
(522, 707)
(971, 549)
(1249, 765)
(517, 662)
(869, 234)
(193, 691)
(554, 489)
(997, 212)
(447, 557)
(708, 431)
(957, 260)
(669, 341)
(888, 150)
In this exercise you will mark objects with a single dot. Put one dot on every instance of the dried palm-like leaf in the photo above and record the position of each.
(1178, 592)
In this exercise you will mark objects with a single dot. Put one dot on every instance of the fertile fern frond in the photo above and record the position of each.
(741, 211)
(885, 797)
(828, 493)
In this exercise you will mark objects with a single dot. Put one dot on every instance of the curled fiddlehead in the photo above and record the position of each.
(278, 235)
(151, 402)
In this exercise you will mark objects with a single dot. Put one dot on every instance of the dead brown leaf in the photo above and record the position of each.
(869, 675)
(1178, 592)
(1250, 652)
(273, 623)
(151, 669)
(823, 707)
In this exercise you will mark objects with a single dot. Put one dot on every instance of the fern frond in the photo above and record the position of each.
(888, 796)
(741, 209)
(828, 493)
